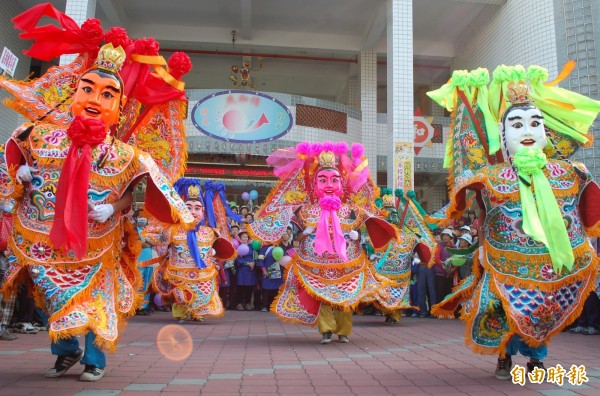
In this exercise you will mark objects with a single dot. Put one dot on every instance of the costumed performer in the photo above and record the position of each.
(395, 263)
(189, 271)
(329, 195)
(72, 180)
(535, 265)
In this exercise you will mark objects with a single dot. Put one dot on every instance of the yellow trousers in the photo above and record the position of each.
(337, 322)
(395, 315)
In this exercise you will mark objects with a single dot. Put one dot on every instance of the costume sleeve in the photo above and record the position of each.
(271, 227)
(224, 250)
(380, 231)
(424, 252)
(13, 154)
(162, 201)
(156, 233)
(589, 202)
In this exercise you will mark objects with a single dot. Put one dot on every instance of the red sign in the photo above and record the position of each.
(231, 171)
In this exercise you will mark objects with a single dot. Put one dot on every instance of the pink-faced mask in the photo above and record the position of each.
(328, 182)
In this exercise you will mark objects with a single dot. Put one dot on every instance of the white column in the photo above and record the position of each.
(400, 94)
(79, 10)
(368, 106)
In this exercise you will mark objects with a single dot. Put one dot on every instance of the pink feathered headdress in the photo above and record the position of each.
(289, 161)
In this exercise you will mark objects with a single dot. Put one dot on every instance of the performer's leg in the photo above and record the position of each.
(68, 353)
(326, 323)
(94, 360)
(343, 321)
(65, 346)
(504, 364)
(93, 356)
(422, 284)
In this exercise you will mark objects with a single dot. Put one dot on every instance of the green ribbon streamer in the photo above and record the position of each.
(574, 117)
(543, 223)
(481, 77)
(444, 96)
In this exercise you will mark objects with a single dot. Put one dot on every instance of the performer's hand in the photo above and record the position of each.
(25, 173)
(101, 212)
(308, 230)
(251, 265)
(353, 235)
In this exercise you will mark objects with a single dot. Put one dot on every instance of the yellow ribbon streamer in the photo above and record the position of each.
(157, 62)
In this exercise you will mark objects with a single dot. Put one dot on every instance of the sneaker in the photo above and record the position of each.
(142, 312)
(91, 373)
(414, 315)
(326, 338)
(576, 329)
(64, 363)
(503, 368)
(395, 321)
(248, 307)
(590, 330)
(6, 336)
(240, 307)
(343, 339)
(531, 364)
(25, 328)
(181, 321)
(264, 310)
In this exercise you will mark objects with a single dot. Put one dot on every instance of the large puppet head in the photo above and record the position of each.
(191, 193)
(328, 180)
(522, 123)
(99, 94)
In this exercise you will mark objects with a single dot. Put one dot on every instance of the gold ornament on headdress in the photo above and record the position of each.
(518, 93)
(193, 192)
(326, 159)
(110, 58)
(388, 201)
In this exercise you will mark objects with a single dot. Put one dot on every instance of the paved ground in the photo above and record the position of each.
(254, 353)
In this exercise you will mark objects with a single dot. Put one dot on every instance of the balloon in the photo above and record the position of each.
(277, 253)
(158, 300)
(285, 260)
(253, 194)
(245, 196)
(243, 249)
(256, 244)
(235, 243)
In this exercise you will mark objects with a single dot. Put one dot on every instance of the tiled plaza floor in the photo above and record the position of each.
(253, 353)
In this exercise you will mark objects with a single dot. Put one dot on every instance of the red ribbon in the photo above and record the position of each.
(70, 227)
(52, 41)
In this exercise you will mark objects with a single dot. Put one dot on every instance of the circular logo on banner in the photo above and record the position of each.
(242, 117)
(423, 131)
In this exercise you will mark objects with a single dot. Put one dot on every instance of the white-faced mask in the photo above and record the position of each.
(524, 128)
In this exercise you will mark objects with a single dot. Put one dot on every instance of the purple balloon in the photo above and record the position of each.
(158, 300)
(245, 196)
(243, 250)
(235, 243)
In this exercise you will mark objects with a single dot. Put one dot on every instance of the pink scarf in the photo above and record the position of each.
(323, 243)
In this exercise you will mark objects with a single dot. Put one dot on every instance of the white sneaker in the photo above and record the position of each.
(91, 374)
(343, 339)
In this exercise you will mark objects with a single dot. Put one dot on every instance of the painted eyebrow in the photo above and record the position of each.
(539, 117)
(116, 90)
(515, 118)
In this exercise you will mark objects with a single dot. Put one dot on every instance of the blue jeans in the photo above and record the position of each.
(516, 344)
(92, 355)
(146, 280)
